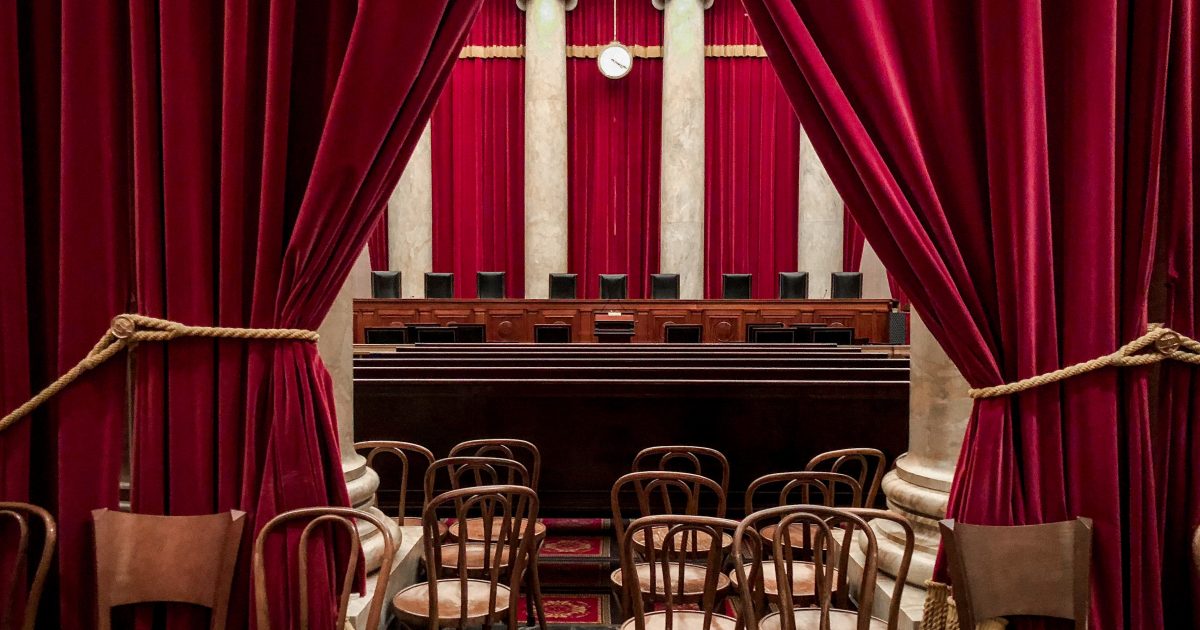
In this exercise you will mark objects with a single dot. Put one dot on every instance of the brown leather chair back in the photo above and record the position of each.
(19, 600)
(697, 460)
(1038, 570)
(403, 452)
(148, 558)
(318, 516)
(509, 448)
(867, 465)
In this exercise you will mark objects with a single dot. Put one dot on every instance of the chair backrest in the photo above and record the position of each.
(614, 286)
(29, 524)
(866, 465)
(509, 448)
(563, 286)
(439, 285)
(509, 515)
(698, 460)
(845, 285)
(385, 284)
(147, 558)
(468, 472)
(313, 518)
(1046, 569)
(736, 286)
(793, 285)
(403, 452)
(395, 335)
(680, 534)
(805, 487)
(666, 492)
(664, 286)
(489, 285)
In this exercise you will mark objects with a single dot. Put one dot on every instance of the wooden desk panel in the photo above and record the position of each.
(723, 320)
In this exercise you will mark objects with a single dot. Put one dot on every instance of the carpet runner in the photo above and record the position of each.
(575, 561)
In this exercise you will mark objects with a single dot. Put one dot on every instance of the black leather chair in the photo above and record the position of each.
(552, 333)
(682, 333)
(434, 334)
(489, 285)
(469, 333)
(439, 286)
(664, 286)
(846, 285)
(840, 335)
(793, 285)
(614, 286)
(562, 286)
(389, 336)
(385, 284)
(736, 286)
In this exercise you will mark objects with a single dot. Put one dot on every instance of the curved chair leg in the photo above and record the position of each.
(534, 600)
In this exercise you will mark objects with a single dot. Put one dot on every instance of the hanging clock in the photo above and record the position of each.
(615, 60)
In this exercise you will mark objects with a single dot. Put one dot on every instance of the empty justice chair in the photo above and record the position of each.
(664, 286)
(385, 284)
(736, 286)
(562, 286)
(683, 333)
(18, 607)
(614, 286)
(489, 285)
(1046, 570)
(552, 333)
(395, 335)
(845, 285)
(793, 285)
(439, 286)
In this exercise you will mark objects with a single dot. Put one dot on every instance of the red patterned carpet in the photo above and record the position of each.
(574, 610)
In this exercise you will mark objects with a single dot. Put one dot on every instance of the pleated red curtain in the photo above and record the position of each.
(1015, 188)
(377, 244)
(212, 164)
(614, 148)
(478, 146)
(752, 158)
(852, 242)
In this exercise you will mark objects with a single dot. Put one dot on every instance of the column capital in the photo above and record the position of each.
(567, 4)
(661, 5)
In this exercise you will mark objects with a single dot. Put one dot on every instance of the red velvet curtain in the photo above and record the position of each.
(1009, 163)
(852, 242)
(752, 159)
(377, 243)
(478, 139)
(213, 164)
(614, 149)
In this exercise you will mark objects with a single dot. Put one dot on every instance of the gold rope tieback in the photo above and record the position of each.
(129, 329)
(1168, 344)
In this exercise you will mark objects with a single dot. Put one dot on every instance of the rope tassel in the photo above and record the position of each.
(129, 329)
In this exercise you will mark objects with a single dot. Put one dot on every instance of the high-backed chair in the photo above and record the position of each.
(19, 606)
(563, 286)
(318, 519)
(736, 286)
(480, 595)
(403, 453)
(385, 284)
(865, 465)
(1046, 569)
(691, 589)
(489, 285)
(614, 286)
(793, 285)
(845, 285)
(439, 285)
(664, 286)
(143, 558)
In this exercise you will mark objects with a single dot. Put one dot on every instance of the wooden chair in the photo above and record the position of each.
(689, 602)
(12, 604)
(866, 465)
(1039, 570)
(465, 597)
(320, 516)
(697, 460)
(509, 448)
(827, 545)
(401, 451)
(147, 558)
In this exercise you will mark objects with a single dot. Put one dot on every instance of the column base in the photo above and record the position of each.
(912, 598)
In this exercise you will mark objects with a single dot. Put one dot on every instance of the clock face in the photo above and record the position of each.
(615, 61)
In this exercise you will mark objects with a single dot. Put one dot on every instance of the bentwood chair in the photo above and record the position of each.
(18, 606)
(405, 454)
(866, 465)
(143, 558)
(321, 519)
(691, 590)
(1029, 570)
(698, 460)
(455, 596)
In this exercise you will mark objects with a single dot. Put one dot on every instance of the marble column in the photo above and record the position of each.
(410, 221)
(919, 486)
(545, 142)
(875, 279)
(820, 223)
(682, 187)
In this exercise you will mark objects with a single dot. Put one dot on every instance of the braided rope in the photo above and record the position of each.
(127, 330)
(1167, 343)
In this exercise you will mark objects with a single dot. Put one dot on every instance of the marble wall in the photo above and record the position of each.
(410, 221)
(820, 224)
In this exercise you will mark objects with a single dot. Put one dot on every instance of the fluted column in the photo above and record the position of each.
(545, 142)
(820, 222)
(410, 221)
(682, 186)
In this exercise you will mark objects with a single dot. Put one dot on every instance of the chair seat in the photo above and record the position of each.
(683, 620)
(698, 543)
(412, 604)
(475, 556)
(796, 534)
(693, 580)
(475, 529)
(810, 618)
(803, 579)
